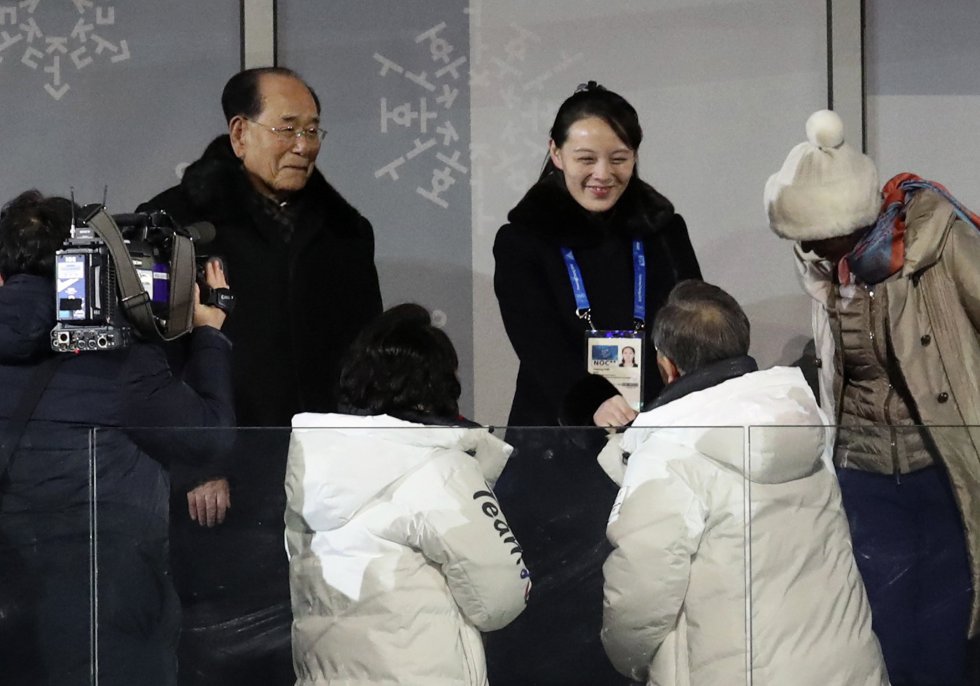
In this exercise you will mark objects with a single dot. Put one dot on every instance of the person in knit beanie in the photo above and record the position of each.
(895, 277)
(825, 189)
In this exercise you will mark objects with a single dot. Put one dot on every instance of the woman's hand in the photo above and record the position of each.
(614, 412)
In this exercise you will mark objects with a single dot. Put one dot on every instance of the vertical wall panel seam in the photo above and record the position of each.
(846, 67)
(830, 54)
(864, 83)
(275, 33)
(241, 34)
(259, 40)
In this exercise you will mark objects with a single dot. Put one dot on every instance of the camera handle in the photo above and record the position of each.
(222, 298)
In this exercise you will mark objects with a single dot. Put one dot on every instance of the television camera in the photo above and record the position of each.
(122, 276)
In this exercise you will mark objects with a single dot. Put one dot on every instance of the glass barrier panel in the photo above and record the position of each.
(202, 554)
(676, 585)
(251, 545)
(759, 526)
(347, 544)
(47, 561)
(735, 535)
(860, 562)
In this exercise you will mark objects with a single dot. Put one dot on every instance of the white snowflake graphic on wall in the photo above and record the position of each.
(71, 36)
(513, 67)
(429, 114)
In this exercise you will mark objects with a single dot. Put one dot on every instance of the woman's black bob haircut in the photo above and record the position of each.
(401, 364)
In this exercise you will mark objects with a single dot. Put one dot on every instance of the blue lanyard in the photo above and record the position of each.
(583, 310)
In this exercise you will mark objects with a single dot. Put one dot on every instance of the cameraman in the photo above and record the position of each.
(84, 514)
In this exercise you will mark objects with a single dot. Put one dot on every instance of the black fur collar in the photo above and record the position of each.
(217, 186)
(549, 210)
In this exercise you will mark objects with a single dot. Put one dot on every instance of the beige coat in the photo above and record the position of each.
(934, 325)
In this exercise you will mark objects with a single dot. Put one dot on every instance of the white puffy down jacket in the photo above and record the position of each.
(399, 554)
(732, 552)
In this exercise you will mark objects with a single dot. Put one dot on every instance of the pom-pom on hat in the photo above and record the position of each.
(825, 188)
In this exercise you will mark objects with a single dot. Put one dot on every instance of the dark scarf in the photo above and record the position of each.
(881, 252)
(704, 378)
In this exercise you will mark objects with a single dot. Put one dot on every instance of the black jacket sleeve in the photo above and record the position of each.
(675, 250)
(372, 294)
(174, 419)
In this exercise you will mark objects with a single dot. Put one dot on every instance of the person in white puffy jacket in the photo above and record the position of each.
(731, 550)
(399, 553)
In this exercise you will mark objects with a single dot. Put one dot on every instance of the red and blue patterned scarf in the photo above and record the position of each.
(881, 252)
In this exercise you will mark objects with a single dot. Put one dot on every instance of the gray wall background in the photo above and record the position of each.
(723, 89)
(110, 93)
(98, 92)
(393, 79)
(923, 84)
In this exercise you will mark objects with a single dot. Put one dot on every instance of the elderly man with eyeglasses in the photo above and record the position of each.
(301, 261)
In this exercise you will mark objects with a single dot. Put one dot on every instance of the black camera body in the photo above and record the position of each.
(94, 311)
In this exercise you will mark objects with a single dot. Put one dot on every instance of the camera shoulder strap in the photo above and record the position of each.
(10, 439)
(183, 271)
(133, 296)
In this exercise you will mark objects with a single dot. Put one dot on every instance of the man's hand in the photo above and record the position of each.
(208, 315)
(614, 412)
(208, 503)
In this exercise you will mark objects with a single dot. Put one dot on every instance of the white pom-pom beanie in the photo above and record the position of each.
(825, 188)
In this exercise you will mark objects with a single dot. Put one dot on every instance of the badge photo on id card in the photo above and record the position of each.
(617, 356)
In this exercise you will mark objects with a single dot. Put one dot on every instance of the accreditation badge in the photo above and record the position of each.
(617, 356)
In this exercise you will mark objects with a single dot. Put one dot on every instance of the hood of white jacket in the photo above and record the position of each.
(344, 461)
(765, 425)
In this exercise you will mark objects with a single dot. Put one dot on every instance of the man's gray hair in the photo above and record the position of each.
(699, 325)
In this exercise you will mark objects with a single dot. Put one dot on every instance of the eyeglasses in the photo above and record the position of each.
(288, 133)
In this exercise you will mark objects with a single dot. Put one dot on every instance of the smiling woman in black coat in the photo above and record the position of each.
(538, 306)
(590, 200)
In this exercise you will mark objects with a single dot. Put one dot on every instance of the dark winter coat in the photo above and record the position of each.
(538, 306)
(47, 513)
(303, 275)
(132, 387)
(556, 496)
(306, 284)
